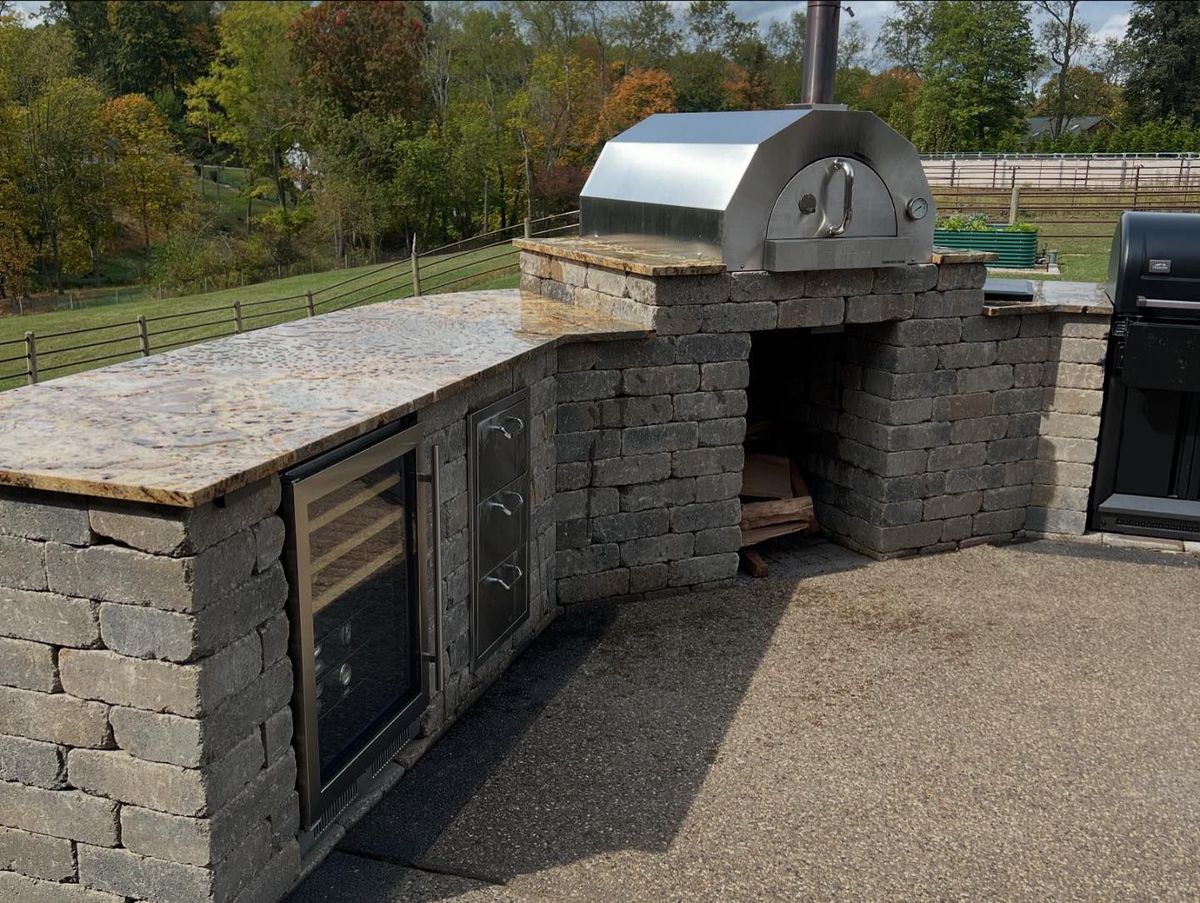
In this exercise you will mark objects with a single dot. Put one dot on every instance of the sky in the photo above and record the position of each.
(1106, 17)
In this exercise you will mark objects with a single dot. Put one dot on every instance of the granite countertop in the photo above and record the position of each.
(1052, 297)
(188, 426)
(647, 260)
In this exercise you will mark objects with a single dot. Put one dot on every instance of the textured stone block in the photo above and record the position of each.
(705, 515)
(830, 283)
(172, 531)
(1006, 497)
(631, 469)
(1022, 350)
(896, 359)
(36, 855)
(1070, 426)
(898, 386)
(161, 686)
(878, 308)
(652, 550)
(702, 461)
(706, 348)
(956, 303)
(718, 486)
(593, 586)
(159, 737)
(979, 429)
(882, 410)
(268, 542)
(587, 385)
(1076, 401)
(1026, 375)
(31, 890)
(43, 516)
(162, 787)
(725, 375)
(275, 635)
(647, 578)
(740, 316)
(887, 540)
(718, 540)
(1074, 376)
(883, 463)
(663, 437)
(922, 332)
(946, 506)
(987, 476)
(668, 380)
(919, 277)
(710, 405)
(1065, 498)
(130, 875)
(664, 494)
(961, 275)
(48, 617)
(1089, 327)
(587, 446)
(22, 563)
(53, 717)
(990, 329)
(609, 282)
(1064, 473)
(59, 813)
(954, 457)
(678, 321)
(1021, 448)
(985, 379)
(1082, 351)
(1052, 520)
(962, 407)
(808, 313)
(112, 573)
(28, 665)
(1018, 401)
(702, 569)
(277, 734)
(32, 762)
(989, 523)
(726, 431)
(967, 354)
(614, 528)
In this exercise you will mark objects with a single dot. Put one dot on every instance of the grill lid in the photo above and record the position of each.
(1155, 262)
(818, 187)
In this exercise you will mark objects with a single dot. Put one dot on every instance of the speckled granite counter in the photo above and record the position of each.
(644, 259)
(1050, 297)
(187, 426)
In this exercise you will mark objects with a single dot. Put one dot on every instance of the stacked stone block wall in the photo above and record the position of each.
(145, 727)
(936, 426)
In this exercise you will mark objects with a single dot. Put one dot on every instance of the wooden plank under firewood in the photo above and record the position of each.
(780, 511)
(767, 476)
(761, 534)
(753, 563)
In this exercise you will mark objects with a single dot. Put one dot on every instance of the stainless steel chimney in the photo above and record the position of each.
(820, 51)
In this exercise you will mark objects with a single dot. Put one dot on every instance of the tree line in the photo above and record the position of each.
(359, 128)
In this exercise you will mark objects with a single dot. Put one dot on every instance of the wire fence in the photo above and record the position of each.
(36, 357)
(1078, 172)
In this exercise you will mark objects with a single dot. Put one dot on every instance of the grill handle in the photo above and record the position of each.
(848, 199)
(1163, 304)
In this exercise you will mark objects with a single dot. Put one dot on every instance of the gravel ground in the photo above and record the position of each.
(1016, 722)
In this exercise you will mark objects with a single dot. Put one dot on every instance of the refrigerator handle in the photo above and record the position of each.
(438, 656)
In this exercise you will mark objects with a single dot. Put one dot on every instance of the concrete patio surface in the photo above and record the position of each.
(1019, 722)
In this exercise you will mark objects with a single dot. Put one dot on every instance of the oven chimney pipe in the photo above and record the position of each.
(820, 51)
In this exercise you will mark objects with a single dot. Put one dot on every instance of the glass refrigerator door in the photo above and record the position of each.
(359, 611)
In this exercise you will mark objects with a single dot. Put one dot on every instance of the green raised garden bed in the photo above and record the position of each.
(1015, 249)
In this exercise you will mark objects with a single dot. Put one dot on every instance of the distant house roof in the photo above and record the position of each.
(1040, 126)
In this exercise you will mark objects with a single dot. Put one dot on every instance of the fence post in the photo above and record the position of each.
(1137, 178)
(144, 335)
(416, 270)
(528, 228)
(237, 315)
(31, 366)
(1014, 201)
(308, 304)
(952, 167)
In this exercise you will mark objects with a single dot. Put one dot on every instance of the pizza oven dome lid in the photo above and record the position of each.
(804, 188)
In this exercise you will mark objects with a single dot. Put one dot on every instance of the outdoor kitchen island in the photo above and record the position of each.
(160, 681)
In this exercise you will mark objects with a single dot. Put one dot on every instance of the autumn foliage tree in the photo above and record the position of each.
(639, 94)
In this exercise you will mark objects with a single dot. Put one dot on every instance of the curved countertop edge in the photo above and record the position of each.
(76, 435)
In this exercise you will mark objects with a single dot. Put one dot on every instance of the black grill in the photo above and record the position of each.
(1148, 466)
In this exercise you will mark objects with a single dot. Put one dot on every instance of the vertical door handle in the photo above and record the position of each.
(848, 198)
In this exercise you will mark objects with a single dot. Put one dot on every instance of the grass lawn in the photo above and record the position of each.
(112, 330)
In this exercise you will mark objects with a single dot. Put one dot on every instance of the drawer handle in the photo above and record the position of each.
(504, 584)
(502, 426)
(505, 509)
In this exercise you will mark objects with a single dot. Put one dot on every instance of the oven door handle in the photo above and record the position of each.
(437, 657)
(504, 509)
(847, 198)
(502, 427)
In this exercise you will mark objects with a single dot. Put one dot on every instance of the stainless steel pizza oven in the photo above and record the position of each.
(816, 186)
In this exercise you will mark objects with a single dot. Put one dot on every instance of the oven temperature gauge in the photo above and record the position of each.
(917, 208)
